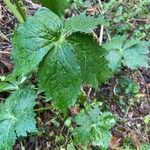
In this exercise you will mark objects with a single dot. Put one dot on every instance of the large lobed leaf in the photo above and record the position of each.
(93, 127)
(130, 53)
(33, 39)
(93, 65)
(17, 117)
(59, 75)
(65, 61)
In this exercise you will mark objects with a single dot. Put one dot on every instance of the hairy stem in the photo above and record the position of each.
(14, 10)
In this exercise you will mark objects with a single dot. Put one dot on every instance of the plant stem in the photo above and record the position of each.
(42, 109)
(20, 9)
(14, 10)
(102, 26)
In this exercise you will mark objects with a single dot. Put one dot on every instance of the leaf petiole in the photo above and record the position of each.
(42, 109)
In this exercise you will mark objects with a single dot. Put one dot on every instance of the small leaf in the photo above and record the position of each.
(67, 122)
(70, 146)
(130, 53)
(17, 117)
(114, 58)
(136, 56)
(147, 119)
(93, 128)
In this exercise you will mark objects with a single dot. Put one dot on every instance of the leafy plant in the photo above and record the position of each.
(17, 116)
(127, 86)
(125, 17)
(64, 58)
(93, 127)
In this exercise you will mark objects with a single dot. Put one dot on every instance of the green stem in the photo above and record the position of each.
(14, 10)
(42, 109)
(20, 9)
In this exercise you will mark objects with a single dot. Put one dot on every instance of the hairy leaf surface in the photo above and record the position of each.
(66, 61)
(17, 117)
(33, 39)
(59, 75)
(130, 53)
(81, 23)
(94, 67)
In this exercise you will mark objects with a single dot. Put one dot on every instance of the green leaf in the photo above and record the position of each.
(116, 43)
(57, 6)
(91, 58)
(33, 39)
(81, 23)
(128, 86)
(59, 75)
(145, 147)
(130, 53)
(65, 62)
(114, 59)
(93, 128)
(136, 56)
(147, 119)
(17, 117)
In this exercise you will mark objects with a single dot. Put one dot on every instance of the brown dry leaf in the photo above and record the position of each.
(115, 143)
(133, 136)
